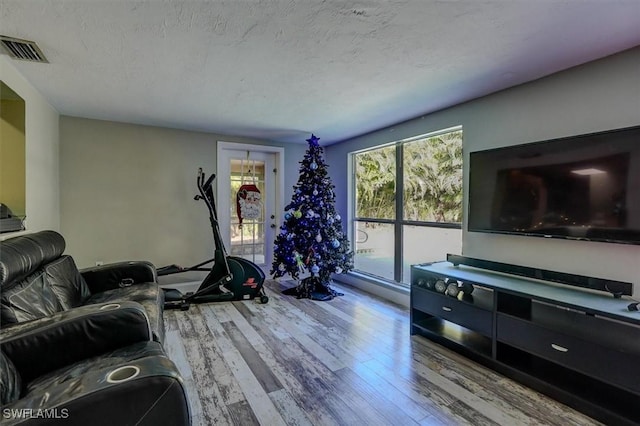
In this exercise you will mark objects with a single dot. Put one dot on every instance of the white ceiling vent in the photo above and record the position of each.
(23, 50)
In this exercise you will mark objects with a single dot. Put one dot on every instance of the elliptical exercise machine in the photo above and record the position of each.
(229, 278)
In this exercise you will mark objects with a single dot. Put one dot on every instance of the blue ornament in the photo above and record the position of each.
(335, 243)
(313, 166)
(315, 269)
(287, 215)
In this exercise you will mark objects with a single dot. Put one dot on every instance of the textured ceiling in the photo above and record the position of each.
(282, 69)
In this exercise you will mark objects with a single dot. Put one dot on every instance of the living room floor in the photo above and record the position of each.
(348, 361)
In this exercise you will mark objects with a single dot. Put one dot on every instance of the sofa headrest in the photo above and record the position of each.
(20, 256)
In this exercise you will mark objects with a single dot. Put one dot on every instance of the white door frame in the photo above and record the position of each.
(278, 208)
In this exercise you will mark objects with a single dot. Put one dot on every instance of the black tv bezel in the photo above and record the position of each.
(536, 234)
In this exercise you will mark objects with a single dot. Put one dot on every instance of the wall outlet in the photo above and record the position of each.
(99, 263)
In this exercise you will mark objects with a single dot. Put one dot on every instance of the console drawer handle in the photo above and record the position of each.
(446, 308)
(559, 348)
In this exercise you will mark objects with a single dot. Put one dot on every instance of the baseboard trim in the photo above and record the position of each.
(378, 287)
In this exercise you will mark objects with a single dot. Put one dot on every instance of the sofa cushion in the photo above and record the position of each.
(10, 383)
(149, 295)
(66, 282)
(28, 299)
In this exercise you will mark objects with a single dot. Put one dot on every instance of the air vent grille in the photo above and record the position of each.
(23, 50)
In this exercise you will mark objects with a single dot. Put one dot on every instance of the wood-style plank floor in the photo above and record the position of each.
(349, 361)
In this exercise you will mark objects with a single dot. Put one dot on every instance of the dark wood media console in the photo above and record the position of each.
(578, 346)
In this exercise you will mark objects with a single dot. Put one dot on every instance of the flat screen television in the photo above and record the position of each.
(584, 187)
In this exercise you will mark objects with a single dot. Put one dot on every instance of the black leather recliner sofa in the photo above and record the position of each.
(82, 348)
(39, 280)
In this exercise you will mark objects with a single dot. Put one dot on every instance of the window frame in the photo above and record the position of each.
(398, 222)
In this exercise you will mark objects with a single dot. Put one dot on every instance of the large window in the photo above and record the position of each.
(408, 204)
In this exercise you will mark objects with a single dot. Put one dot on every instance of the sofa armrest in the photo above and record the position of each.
(121, 274)
(48, 343)
(133, 385)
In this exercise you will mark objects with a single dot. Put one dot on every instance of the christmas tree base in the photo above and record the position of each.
(312, 288)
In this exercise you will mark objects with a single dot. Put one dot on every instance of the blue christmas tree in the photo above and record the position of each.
(311, 239)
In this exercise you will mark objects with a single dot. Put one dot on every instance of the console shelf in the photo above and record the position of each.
(578, 346)
(446, 331)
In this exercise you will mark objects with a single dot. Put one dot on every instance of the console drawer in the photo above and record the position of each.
(453, 310)
(618, 368)
(604, 331)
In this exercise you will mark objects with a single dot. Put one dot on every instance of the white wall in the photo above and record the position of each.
(601, 95)
(41, 151)
(127, 191)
